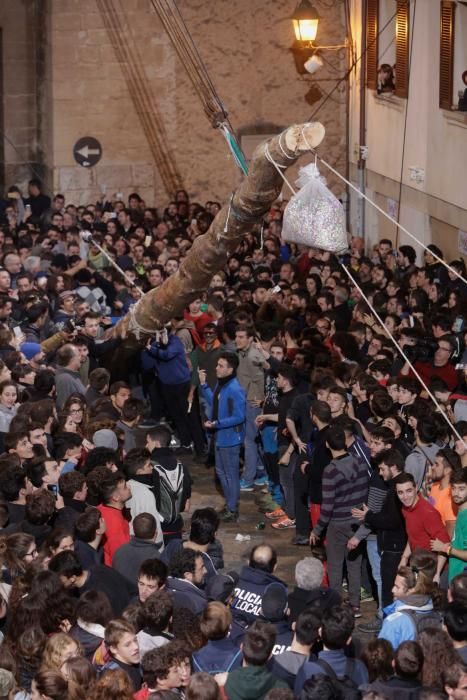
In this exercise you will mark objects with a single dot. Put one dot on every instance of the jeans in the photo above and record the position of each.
(338, 534)
(253, 461)
(302, 512)
(375, 562)
(389, 565)
(228, 471)
(286, 474)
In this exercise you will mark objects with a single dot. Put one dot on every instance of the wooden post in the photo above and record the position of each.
(210, 251)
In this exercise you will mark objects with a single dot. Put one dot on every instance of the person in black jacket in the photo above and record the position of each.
(187, 575)
(320, 456)
(309, 592)
(388, 524)
(89, 333)
(73, 489)
(101, 578)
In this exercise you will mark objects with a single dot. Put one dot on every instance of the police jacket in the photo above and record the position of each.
(249, 593)
(284, 636)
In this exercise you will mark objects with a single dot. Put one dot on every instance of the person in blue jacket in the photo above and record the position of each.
(412, 601)
(170, 363)
(219, 654)
(226, 419)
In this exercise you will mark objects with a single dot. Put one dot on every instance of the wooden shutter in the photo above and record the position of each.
(446, 54)
(402, 48)
(372, 12)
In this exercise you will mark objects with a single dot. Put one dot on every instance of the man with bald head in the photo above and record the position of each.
(253, 581)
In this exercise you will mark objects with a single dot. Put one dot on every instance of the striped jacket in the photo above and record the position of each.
(345, 486)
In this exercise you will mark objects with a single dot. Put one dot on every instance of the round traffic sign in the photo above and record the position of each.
(87, 151)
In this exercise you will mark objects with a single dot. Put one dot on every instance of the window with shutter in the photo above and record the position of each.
(402, 48)
(446, 54)
(372, 8)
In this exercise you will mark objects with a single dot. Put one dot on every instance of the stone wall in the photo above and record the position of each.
(19, 149)
(244, 45)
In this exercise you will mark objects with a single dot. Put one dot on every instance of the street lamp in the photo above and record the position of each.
(305, 23)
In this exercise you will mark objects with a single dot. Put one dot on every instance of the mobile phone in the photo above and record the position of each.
(28, 207)
(53, 488)
(193, 222)
(458, 325)
(112, 215)
(276, 289)
(17, 331)
(119, 195)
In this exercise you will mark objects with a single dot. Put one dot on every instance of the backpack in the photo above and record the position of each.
(171, 491)
(421, 621)
(344, 684)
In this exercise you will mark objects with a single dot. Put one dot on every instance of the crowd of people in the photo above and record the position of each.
(282, 378)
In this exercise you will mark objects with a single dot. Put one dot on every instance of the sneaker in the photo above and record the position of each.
(222, 510)
(301, 540)
(356, 611)
(275, 514)
(365, 596)
(261, 481)
(229, 516)
(371, 627)
(283, 524)
(245, 487)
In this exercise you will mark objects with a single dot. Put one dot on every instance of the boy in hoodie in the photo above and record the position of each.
(253, 680)
(172, 481)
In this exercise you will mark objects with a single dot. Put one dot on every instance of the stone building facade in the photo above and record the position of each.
(68, 73)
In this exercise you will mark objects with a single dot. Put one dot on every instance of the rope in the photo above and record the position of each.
(278, 168)
(402, 228)
(349, 70)
(133, 325)
(115, 265)
(394, 341)
(183, 43)
(402, 353)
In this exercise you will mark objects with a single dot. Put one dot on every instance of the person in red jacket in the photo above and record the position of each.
(115, 492)
(440, 366)
(422, 521)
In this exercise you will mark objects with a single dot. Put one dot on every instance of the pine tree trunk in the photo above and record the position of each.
(210, 251)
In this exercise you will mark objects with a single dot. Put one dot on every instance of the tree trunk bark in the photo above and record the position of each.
(210, 251)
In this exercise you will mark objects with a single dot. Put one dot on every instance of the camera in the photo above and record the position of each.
(71, 325)
(423, 351)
